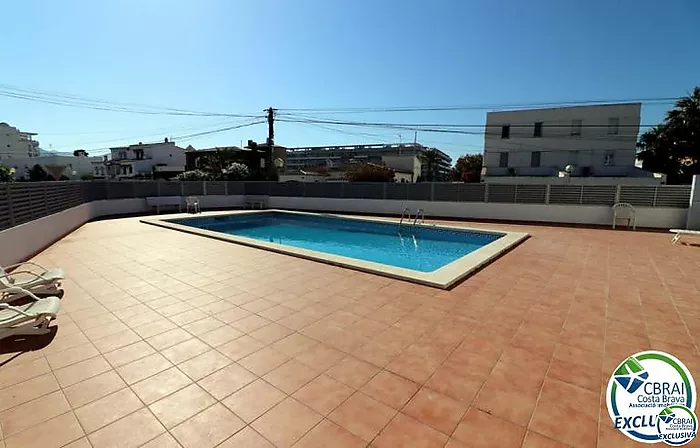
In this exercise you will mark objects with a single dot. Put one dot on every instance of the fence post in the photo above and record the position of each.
(617, 193)
(384, 190)
(182, 188)
(432, 191)
(580, 197)
(9, 205)
(656, 192)
(693, 219)
(486, 192)
(225, 188)
(46, 202)
(204, 188)
(515, 194)
(547, 191)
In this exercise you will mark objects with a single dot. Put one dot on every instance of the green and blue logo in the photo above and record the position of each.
(651, 398)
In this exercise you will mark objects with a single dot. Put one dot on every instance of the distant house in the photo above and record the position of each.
(257, 157)
(159, 160)
(339, 174)
(402, 157)
(534, 145)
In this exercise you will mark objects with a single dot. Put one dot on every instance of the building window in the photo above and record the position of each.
(609, 160)
(538, 129)
(503, 160)
(535, 159)
(613, 126)
(505, 131)
(576, 126)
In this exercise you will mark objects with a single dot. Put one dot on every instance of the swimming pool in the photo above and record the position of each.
(435, 255)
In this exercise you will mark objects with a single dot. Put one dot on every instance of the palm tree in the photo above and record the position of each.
(430, 159)
(673, 147)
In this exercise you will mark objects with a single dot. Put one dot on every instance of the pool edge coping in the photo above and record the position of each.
(443, 278)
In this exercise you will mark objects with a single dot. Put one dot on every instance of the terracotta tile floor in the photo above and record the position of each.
(168, 339)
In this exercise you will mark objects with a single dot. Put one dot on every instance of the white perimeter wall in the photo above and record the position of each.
(21, 242)
(657, 217)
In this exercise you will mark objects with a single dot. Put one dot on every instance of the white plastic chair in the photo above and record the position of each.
(623, 210)
(193, 202)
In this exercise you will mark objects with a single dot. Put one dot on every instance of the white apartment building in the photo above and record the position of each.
(17, 144)
(20, 151)
(596, 141)
(161, 159)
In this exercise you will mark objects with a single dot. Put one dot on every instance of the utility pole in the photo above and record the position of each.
(271, 126)
(415, 137)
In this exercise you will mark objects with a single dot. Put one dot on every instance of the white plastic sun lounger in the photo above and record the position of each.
(29, 319)
(40, 280)
(681, 232)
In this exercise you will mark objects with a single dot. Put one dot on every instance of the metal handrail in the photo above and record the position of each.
(406, 213)
(420, 213)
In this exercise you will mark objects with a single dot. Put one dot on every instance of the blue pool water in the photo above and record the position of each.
(422, 249)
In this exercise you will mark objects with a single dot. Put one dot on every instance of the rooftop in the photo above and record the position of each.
(168, 337)
(144, 145)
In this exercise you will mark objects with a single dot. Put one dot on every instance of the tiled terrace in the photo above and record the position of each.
(167, 339)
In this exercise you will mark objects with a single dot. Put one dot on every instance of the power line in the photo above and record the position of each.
(184, 137)
(420, 128)
(104, 105)
(310, 119)
(654, 100)
(229, 128)
(165, 130)
(516, 148)
(358, 134)
(143, 136)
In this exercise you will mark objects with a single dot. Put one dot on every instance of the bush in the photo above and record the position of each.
(7, 174)
(236, 171)
(369, 172)
(194, 175)
(37, 173)
(87, 177)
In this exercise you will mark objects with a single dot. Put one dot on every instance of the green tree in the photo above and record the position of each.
(217, 162)
(673, 147)
(369, 172)
(467, 168)
(37, 173)
(430, 159)
(7, 174)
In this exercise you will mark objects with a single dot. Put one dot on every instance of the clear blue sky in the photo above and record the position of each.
(243, 56)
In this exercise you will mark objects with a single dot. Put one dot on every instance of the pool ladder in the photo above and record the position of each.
(406, 214)
(420, 213)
